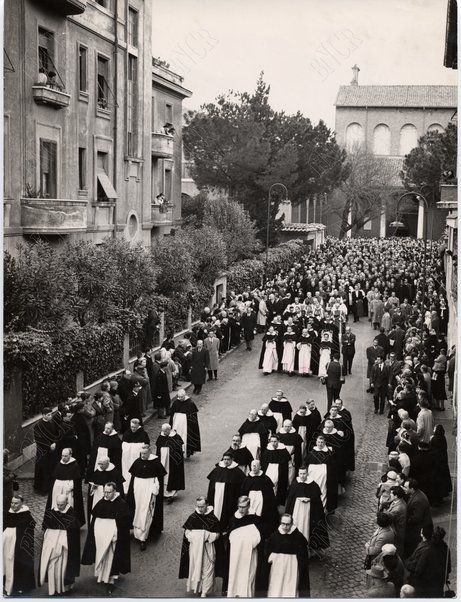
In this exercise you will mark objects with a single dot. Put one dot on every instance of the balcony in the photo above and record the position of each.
(66, 7)
(161, 214)
(46, 95)
(162, 145)
(448, 196)
(53, 216)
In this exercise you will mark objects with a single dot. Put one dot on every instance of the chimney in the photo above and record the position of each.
(355, 78)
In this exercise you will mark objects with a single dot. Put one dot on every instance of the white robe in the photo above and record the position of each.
(301, 516)
(130, 453)
(288, 357)
(304, 358)
(53, 561)
(98, 493)
(325, 356)
(202, 558)
(105, 535)
(180, 426)
(256, 502)
(9, 544)
(252, 441)
(243, 561)
(270, 358)
(318, 473)
(284, 576)
(145, 494)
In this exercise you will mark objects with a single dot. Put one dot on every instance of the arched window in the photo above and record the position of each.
(408, 139)
(382, 140)
(354, 136)
(436, 127)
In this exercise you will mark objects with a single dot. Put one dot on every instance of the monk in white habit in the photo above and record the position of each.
(108, 542)
(244, 542)
(60, 558)
(145, 495)
(67, 480)
(281, 408)
(133, 440)
(105, 472)
(287, 554)
(18, 548)
(198, 552)
(254, 434)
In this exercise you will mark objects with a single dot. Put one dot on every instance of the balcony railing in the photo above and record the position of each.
(46, 95)
(53, 216)
(162, 145)
(161, 214)
(66, 7)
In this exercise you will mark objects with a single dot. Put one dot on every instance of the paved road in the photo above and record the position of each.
(223, 406)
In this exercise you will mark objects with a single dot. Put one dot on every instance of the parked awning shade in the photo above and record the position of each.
(106, 184)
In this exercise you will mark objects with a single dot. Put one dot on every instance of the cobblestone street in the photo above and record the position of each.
(223, 407)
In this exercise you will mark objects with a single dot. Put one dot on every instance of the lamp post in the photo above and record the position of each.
(419, 197)
(268, 222)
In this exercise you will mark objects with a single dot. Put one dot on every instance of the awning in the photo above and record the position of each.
(106, 184)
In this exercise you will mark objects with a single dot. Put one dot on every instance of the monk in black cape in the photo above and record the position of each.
(114, 508)
(170, 451)
(305, 487)
(260, 489)
(202, 519)
(149, 471)
(67, 469)
(224, 488)
(184, 420)
(62, 517)
(281, 547)
(18, 548)
(105, 473)
(46, 436)
(110, 441)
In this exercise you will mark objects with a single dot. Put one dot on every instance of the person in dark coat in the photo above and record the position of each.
(286, 551)
(348, 349)
(145, 496)
(105, 473)
(333, 379)
(383, 341)
(18, 548)
(170, 451)
(46, 437)
(442, 476)
(108, 541)
(379, 380)
(431, 567)
(150, 328)
(242, 455)
(422, 468)
(248, 324)
(82, 431)
(418, 515)
(274, 463)
(397, 341)
(199, 366)
(67, 480)
(62, 534)
(184, 420)
(372, 353)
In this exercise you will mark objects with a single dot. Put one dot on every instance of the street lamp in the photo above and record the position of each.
(268, 222)
(399, 224)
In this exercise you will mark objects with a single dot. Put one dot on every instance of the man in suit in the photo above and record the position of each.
(372, 353)
(348, 350)
(333, 380)
(394, 367)
(380, 380)
(418, 515)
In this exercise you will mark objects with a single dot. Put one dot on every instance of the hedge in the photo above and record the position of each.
(250, 272)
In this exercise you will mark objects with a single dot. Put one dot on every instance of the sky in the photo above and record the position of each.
(306, 48)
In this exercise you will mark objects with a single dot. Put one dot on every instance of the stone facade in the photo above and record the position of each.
(78, 111)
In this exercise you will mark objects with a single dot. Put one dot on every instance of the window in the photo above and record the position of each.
(436, 127)
(132, 27)
(168, 189)
(105, 3)
(169, 113)
(131, 105)
(45, 50)
(102, 82)
(354, 136)
(48, 172)
(408, 139)
(155, 180)
(105, 190)
(382, 140)
(82, 68)
(82, 185)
